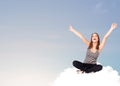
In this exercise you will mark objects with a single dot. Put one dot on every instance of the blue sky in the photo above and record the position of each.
(36, 44)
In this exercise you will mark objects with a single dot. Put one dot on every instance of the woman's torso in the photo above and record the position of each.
(91, 57)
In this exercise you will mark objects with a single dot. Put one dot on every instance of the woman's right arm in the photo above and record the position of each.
(79, 35)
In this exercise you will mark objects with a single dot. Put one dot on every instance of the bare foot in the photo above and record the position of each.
(79, 71)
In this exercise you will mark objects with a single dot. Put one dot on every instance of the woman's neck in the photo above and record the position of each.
(94, 45)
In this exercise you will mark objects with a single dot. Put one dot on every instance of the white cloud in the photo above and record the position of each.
(107, 76)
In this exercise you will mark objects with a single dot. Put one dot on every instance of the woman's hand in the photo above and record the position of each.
(71, 28)
(113, 26)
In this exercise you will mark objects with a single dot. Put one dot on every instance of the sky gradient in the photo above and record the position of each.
(36, 44)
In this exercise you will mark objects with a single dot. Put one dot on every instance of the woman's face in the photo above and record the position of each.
(94, 38)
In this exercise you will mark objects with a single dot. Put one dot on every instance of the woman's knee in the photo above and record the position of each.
(74, 62)
(100, 67)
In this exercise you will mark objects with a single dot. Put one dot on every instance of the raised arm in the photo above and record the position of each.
(113, 26)
(79, 35)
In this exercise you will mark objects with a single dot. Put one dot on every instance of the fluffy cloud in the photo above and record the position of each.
(108, 76)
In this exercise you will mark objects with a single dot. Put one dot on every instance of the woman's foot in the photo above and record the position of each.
(79, 71)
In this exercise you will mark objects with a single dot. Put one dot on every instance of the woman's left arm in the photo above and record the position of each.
(113, 26)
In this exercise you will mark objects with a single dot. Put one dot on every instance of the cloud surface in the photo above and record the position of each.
(108, 76)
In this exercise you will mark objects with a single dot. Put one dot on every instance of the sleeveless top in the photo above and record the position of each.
(91, 57)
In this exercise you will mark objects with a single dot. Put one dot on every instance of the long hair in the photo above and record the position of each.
(91, 43)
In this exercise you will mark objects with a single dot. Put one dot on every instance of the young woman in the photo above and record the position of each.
(93, 51)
